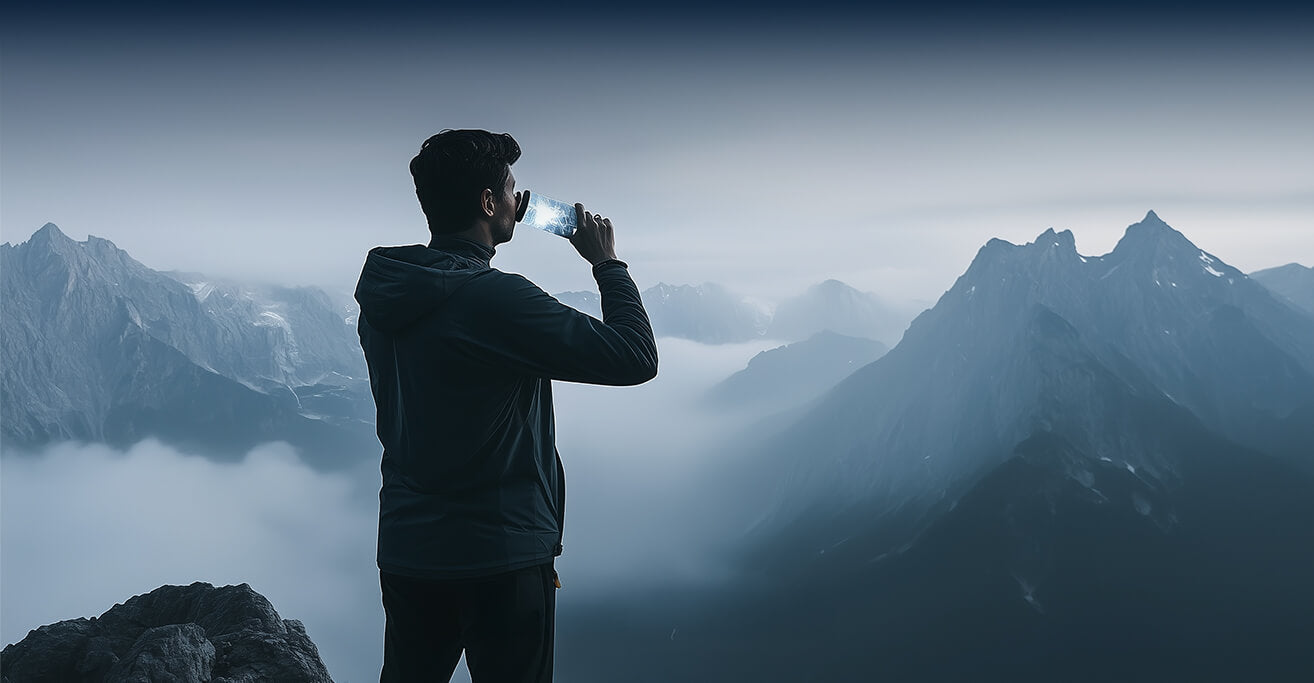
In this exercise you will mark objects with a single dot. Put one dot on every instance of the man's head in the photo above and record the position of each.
(463, 180)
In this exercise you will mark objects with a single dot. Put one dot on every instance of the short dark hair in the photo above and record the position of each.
(453, 168)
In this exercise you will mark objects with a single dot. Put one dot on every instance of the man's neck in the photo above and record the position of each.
(463, 243)
(480, 233)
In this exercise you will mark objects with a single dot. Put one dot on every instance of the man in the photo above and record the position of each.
(461, 358)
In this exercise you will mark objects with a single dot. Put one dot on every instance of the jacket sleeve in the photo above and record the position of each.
(525, 329)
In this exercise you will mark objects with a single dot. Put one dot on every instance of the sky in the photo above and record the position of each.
(764, 150)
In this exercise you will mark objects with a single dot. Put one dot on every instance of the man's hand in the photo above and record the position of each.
(593, 238)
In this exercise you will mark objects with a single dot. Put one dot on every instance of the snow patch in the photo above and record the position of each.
(1206, 257)
(201, 290)
(1029, 593)
(272, 318)
(1141, 504)
(1130, 467)
(1211, 271)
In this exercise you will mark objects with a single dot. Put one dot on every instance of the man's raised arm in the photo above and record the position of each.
(542, 336)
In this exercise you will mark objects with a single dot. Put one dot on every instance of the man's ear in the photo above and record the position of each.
(488, 203)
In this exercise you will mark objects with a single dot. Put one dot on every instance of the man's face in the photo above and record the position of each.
(504, 217)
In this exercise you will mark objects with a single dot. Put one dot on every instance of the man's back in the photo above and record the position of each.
(461, 357)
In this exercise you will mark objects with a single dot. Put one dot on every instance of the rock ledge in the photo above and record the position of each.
(192, 634)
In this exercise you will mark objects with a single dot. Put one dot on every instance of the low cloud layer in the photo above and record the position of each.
(86, 526)
(631, 455)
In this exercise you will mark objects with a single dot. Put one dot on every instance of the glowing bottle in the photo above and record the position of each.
(547, 214)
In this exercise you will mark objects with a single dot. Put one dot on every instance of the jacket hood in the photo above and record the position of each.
(400, 285)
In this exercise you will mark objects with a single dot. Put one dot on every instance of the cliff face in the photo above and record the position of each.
(195, 633)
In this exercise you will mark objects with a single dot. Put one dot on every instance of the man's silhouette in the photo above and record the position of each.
(461, 358)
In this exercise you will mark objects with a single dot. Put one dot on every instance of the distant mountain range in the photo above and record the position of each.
(1293, 282)
(837, 307)
(98, 347)
(1071, 468)
(711, 314)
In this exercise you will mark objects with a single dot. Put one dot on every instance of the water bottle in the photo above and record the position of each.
(547, 214)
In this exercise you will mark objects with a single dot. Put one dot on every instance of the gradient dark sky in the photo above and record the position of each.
(765, 149)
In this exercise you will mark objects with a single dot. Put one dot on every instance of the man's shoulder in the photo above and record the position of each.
(501, 283)
(498, 292)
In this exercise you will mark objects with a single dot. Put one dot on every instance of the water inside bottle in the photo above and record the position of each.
(550, 215)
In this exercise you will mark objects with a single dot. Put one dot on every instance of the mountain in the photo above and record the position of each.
(313, 348)
(835, 306)
(1036, 335)
(1071, 468)
(98, 347)
(1293, 282)
(792, 375)
(711, 314)
(311, 336)
(173, 633)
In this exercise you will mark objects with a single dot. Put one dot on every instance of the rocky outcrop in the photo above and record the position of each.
(195, 633)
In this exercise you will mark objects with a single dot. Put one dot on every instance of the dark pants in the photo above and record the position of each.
(504, 623)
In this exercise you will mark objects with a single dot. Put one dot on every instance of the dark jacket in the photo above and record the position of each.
(461, 356)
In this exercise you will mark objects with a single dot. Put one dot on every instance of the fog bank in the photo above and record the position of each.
(85, 526)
